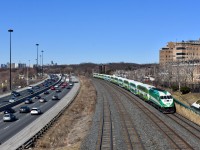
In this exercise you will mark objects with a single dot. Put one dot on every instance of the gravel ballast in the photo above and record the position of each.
(151, 136)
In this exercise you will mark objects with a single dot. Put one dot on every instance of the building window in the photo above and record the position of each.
(180, 53)
(180, 48)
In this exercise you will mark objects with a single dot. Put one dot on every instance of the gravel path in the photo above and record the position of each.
(151, 136)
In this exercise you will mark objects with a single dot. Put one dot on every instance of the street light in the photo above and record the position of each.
(42, 62)
(28, 66)
(10, 30)
(37, 59)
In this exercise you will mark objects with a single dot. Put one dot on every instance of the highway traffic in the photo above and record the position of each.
(13, 99)
(8, 129)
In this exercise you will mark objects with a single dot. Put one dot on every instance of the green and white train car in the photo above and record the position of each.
(126, 84)
(143, 91)
(95, 75)
(120, 81)
(115, 80)
(101, 76)
(108, 77)
(112, 78)
(133, 86)
(162, 99)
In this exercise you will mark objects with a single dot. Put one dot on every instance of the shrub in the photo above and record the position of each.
(185, 90)
(174, 88)
(4, 89)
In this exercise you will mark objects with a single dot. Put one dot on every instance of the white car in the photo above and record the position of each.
(30, 87)
(196, 104)
(56, 86)
(42, 100)
(9, 117)
(12, 100)
(35, 111)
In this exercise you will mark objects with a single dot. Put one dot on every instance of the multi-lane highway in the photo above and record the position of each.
(4, 101)
(8, 129)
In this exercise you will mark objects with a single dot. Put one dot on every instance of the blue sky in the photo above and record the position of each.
(78, 31)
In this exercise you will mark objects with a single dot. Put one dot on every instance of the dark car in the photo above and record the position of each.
(15, 94)
(46, 92)
(24, 109)
(9, 111)
(55, 97)
(46, 85)
(37, 97)
(37, 87)
(30, 91)
(28, 101)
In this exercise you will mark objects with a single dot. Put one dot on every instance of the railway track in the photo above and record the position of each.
(105, 136)
(176, 141)
(192, 128)
(131, 137)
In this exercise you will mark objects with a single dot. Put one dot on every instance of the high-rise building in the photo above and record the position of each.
(180, 51)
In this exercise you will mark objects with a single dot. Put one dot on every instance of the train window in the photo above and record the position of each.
(169, 97)
(162, 97)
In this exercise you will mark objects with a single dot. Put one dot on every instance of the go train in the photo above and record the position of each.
(159, 98)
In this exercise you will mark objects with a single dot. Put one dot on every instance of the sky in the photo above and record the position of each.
(97, 31)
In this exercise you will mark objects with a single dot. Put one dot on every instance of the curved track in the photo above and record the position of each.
(132, 138)
(106, 139)
(177, 141)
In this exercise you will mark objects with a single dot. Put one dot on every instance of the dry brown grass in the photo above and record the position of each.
(69, 131)
(187, 99)
(190, 115)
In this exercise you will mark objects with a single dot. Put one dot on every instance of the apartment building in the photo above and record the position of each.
(180, 51)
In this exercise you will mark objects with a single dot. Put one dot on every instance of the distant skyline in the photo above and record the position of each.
(77, 31)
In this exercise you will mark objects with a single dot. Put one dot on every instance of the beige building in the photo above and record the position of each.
(180, 51)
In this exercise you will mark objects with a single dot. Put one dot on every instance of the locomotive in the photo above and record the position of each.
(160, 99)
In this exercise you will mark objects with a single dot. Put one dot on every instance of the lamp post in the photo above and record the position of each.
(37, 60)
(28, 66)
(10, 30)
(42, 62)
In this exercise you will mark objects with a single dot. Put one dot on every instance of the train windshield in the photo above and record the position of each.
(166, 97)
(169, 97)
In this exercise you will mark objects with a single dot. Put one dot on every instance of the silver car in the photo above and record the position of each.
(55, 97)
(9, 117)
(42, 100)
(12, 100)
(35, 111)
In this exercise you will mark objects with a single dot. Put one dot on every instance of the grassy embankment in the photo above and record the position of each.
(187, 99)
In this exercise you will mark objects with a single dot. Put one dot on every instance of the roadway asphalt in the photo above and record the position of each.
(8, 129)
(24, 93)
